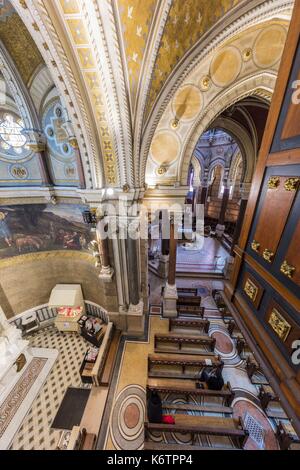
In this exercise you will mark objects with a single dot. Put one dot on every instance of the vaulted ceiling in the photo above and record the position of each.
(117, 65)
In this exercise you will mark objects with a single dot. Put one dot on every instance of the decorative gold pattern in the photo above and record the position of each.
(274, 182)
(136, 17)
(279, 324)
(251, 290)
(187, 22)
(287, 269)
(205, 83)
(255, 245)
(20, 46)
(292, 184)
(268, 255)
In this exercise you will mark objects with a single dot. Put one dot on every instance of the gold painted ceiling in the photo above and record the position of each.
(188, 20)
(135, 17)
(18, 42)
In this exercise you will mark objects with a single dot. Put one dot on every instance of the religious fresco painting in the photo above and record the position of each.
(41, 227)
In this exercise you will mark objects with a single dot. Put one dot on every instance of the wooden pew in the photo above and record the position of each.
(266, 395)
(190, 311)
(196, 324)
(252, 368)
(182, 362)
(182, 340)
(187, 291)
(203, 425)
(188, 388)
(287, 437)
(189, 300)
(162, 447)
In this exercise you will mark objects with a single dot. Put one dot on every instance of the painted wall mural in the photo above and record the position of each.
(41, 227)
(61, 155)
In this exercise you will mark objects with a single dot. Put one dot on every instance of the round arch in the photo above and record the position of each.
(248, 87)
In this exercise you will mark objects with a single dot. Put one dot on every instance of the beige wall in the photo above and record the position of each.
(26, 281)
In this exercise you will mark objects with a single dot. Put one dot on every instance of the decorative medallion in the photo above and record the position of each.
(287, 269)
(279, 324)
(292, 184)
(165, 147)
(251, 290)
(19, 172)
(226, 66)
(205, 83)
(247, 54)
(187, 102)
(268, 255)
(274, 182)
(162, 170)
(268, 46)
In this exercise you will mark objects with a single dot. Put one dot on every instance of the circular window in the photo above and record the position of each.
(11, 131)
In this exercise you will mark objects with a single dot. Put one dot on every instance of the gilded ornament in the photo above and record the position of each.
(279, 324)
(255, 245)
(291, 184)
(175, 123)
(205, 83)
(161, 170)
(268, 255)
(287, 269)
(251, 290)
(274, 182)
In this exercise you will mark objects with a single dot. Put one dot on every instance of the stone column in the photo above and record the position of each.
(245, 189)
(135, 312)
(221, 222)
(74, 144)
(170, 293)
(163, 266)
(106, 272)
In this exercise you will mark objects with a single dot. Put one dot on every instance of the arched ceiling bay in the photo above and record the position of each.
(18, 42)
(187, 22)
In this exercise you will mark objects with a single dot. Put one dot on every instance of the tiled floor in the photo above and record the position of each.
(35, 432)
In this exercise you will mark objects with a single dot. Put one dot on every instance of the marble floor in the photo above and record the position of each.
(126, 422)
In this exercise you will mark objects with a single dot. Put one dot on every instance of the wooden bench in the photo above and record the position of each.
(189, 300)
(187, 291)
(183, 362)
(110, 359)
(190, 311)
(196, 324)
(181, 340)
(203, 425)
(193, 407)
(287, 437)
(161, 447)
(188, 388)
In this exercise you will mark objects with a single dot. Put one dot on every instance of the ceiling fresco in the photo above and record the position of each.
(135, 19)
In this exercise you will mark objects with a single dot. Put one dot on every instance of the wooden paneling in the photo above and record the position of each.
(273, 217)
(291, 126)
(287, 157)
(293, 256)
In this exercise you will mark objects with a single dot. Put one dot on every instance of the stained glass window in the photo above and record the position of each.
(11, 132)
